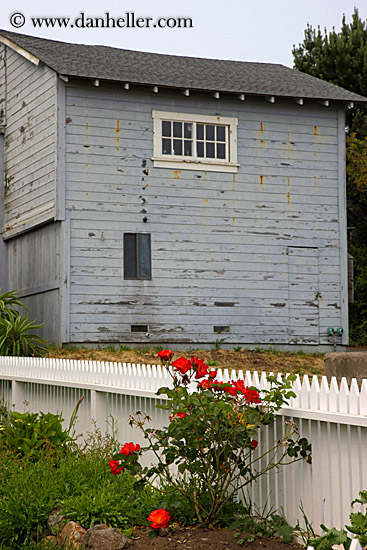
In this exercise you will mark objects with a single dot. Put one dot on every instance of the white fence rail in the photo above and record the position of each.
(333, 418)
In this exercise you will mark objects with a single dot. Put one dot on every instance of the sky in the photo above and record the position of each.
(243, 30)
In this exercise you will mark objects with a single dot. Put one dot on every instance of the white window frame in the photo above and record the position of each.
(180, 162)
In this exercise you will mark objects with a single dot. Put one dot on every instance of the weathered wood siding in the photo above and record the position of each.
(30, 144)
(258, 251)
(2, 85)
(34, 260)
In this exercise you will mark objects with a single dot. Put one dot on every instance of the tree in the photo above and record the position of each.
(341, 58)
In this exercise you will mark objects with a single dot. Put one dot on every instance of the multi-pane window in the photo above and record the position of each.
(194, 140)
(137, 256)
(190, 139)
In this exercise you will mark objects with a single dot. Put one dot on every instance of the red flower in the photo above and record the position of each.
(173, 415)
(182, 365)
(231, 390)
(251, 396)
(200, 367)
(129, 449)
(115, 467)
(165, 354)
(205, 384)
(159, 518)
(213, 373)
(254, 443)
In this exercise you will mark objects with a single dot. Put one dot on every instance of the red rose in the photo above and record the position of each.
(182, 365)
(231, 390)
(173, 415)
(159, 518)
(115, 467)
(129, 449)
(254, 443)
(165, 354)
(213, 373)
(251, 396)
(200, 367)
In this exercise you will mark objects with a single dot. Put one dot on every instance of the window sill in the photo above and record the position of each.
(204, 165)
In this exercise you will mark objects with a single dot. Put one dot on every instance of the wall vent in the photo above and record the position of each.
(221, 328)
(139, 328)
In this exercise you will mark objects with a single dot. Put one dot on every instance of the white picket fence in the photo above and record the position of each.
(333, 418)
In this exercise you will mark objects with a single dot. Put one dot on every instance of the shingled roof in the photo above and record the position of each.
(194, 73)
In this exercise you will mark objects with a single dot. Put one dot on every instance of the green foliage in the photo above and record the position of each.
(340, 58)
(212, 363)
(262, 524)
(124, 347)
(358, 520)
(16, 332)
(329, 538)
(29, 434)
(79, 478)
(111, 504)
(217, 344)
(237, 348)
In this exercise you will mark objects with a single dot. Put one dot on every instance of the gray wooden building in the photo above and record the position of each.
(150, 198)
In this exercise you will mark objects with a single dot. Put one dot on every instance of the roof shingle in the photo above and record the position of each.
(114, 64)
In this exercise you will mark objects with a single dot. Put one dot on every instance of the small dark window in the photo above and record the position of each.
(137, 256)
(139, 328)
(221, 328)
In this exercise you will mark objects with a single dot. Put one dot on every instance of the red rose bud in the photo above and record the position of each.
(254, 443)
(182, 365)
(165, 354)
(129, 449)
(159, 518)
(213, 373)
(115, 467)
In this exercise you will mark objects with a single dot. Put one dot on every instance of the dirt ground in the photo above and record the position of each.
(208, 539)
(260, 360)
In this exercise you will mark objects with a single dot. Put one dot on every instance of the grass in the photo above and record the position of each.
(80, 481)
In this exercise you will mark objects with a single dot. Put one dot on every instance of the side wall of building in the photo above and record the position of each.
(31, 247)
(34, 260)
(256, 253)
(30, 144)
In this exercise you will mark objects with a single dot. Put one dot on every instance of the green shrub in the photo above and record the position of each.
(17, 336)
(29, 434)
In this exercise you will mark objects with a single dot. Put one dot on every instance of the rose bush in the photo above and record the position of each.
(209, 450)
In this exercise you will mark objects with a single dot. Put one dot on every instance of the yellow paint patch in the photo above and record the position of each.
(262, 143)
(117, 131)
(288, 197)
(315, 131)
(86, 195)
(289, 181)
(177, 174)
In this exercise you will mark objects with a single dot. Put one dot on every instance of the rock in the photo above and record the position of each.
(55, 520)
(102, 537)
(49, 541)
(351, 364)
(71, 535)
